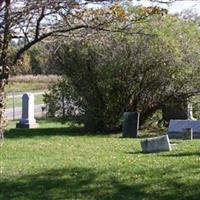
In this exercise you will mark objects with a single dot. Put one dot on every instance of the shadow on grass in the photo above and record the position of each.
(74, 183)
(70, 129)
(88, 184)
(28, 133)
(182, 154)
(133, 152)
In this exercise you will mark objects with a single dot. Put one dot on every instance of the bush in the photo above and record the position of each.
(62, 100)
(115, 73)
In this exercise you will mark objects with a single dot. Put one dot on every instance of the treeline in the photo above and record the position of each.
(38, 60)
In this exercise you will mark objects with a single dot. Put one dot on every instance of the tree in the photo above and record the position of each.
(127, 72)
(32, 21)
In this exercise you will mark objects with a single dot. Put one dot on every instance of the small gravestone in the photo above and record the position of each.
(156, 144)
(188, 134)
(130, 124)
(28, 119)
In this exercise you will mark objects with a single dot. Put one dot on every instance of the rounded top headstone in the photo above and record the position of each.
(27, 95)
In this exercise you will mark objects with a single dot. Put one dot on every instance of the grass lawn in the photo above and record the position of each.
(57, 162)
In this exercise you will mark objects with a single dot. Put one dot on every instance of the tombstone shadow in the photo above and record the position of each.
(182, 154)
(133, 152)
(45, 132)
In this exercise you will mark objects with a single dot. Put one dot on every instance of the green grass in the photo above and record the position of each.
(59, 162)
(27, 83)
(18, 101)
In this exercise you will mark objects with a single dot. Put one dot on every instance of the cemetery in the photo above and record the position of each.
(99, 101)
(67, 162)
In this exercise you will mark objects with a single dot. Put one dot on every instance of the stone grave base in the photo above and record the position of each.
(33, 125)
(177, 128)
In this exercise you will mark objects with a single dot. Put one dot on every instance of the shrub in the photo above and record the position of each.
(62, 100)
(117, 72)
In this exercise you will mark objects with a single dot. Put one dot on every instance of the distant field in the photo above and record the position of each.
(18, 101)
(27, 83)
(25, 87)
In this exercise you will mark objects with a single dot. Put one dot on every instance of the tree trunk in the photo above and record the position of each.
(4, 69)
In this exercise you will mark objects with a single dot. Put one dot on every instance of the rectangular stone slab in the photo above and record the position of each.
(130, 124)
(176, 128)
(156, 144)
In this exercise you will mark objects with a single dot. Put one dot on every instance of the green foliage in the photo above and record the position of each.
(62, 100)
(24, 83)
(120, 72)
(155, 123)
(37, 60)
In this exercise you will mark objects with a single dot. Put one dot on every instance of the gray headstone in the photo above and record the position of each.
(28, 119)
(156, 144)
(130, 124)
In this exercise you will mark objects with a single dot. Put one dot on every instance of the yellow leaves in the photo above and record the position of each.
(118, 11)
(147, 11)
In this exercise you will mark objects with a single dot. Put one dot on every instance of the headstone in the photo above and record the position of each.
(190, 112)
(177, 128)
(28, 119)
(188, 134)
(130, 124)
(156, 144)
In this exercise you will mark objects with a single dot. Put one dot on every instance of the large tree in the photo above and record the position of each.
(120, 72)
(31, 21)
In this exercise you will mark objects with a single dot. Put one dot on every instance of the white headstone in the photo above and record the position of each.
(28, 119)
(190, 112)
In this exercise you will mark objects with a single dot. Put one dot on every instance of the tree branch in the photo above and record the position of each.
(42, 37)
(37, 30)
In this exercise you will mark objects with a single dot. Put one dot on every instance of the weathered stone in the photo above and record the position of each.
(177, 128)
(27, 120)
(156, 144)
(130, 124)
